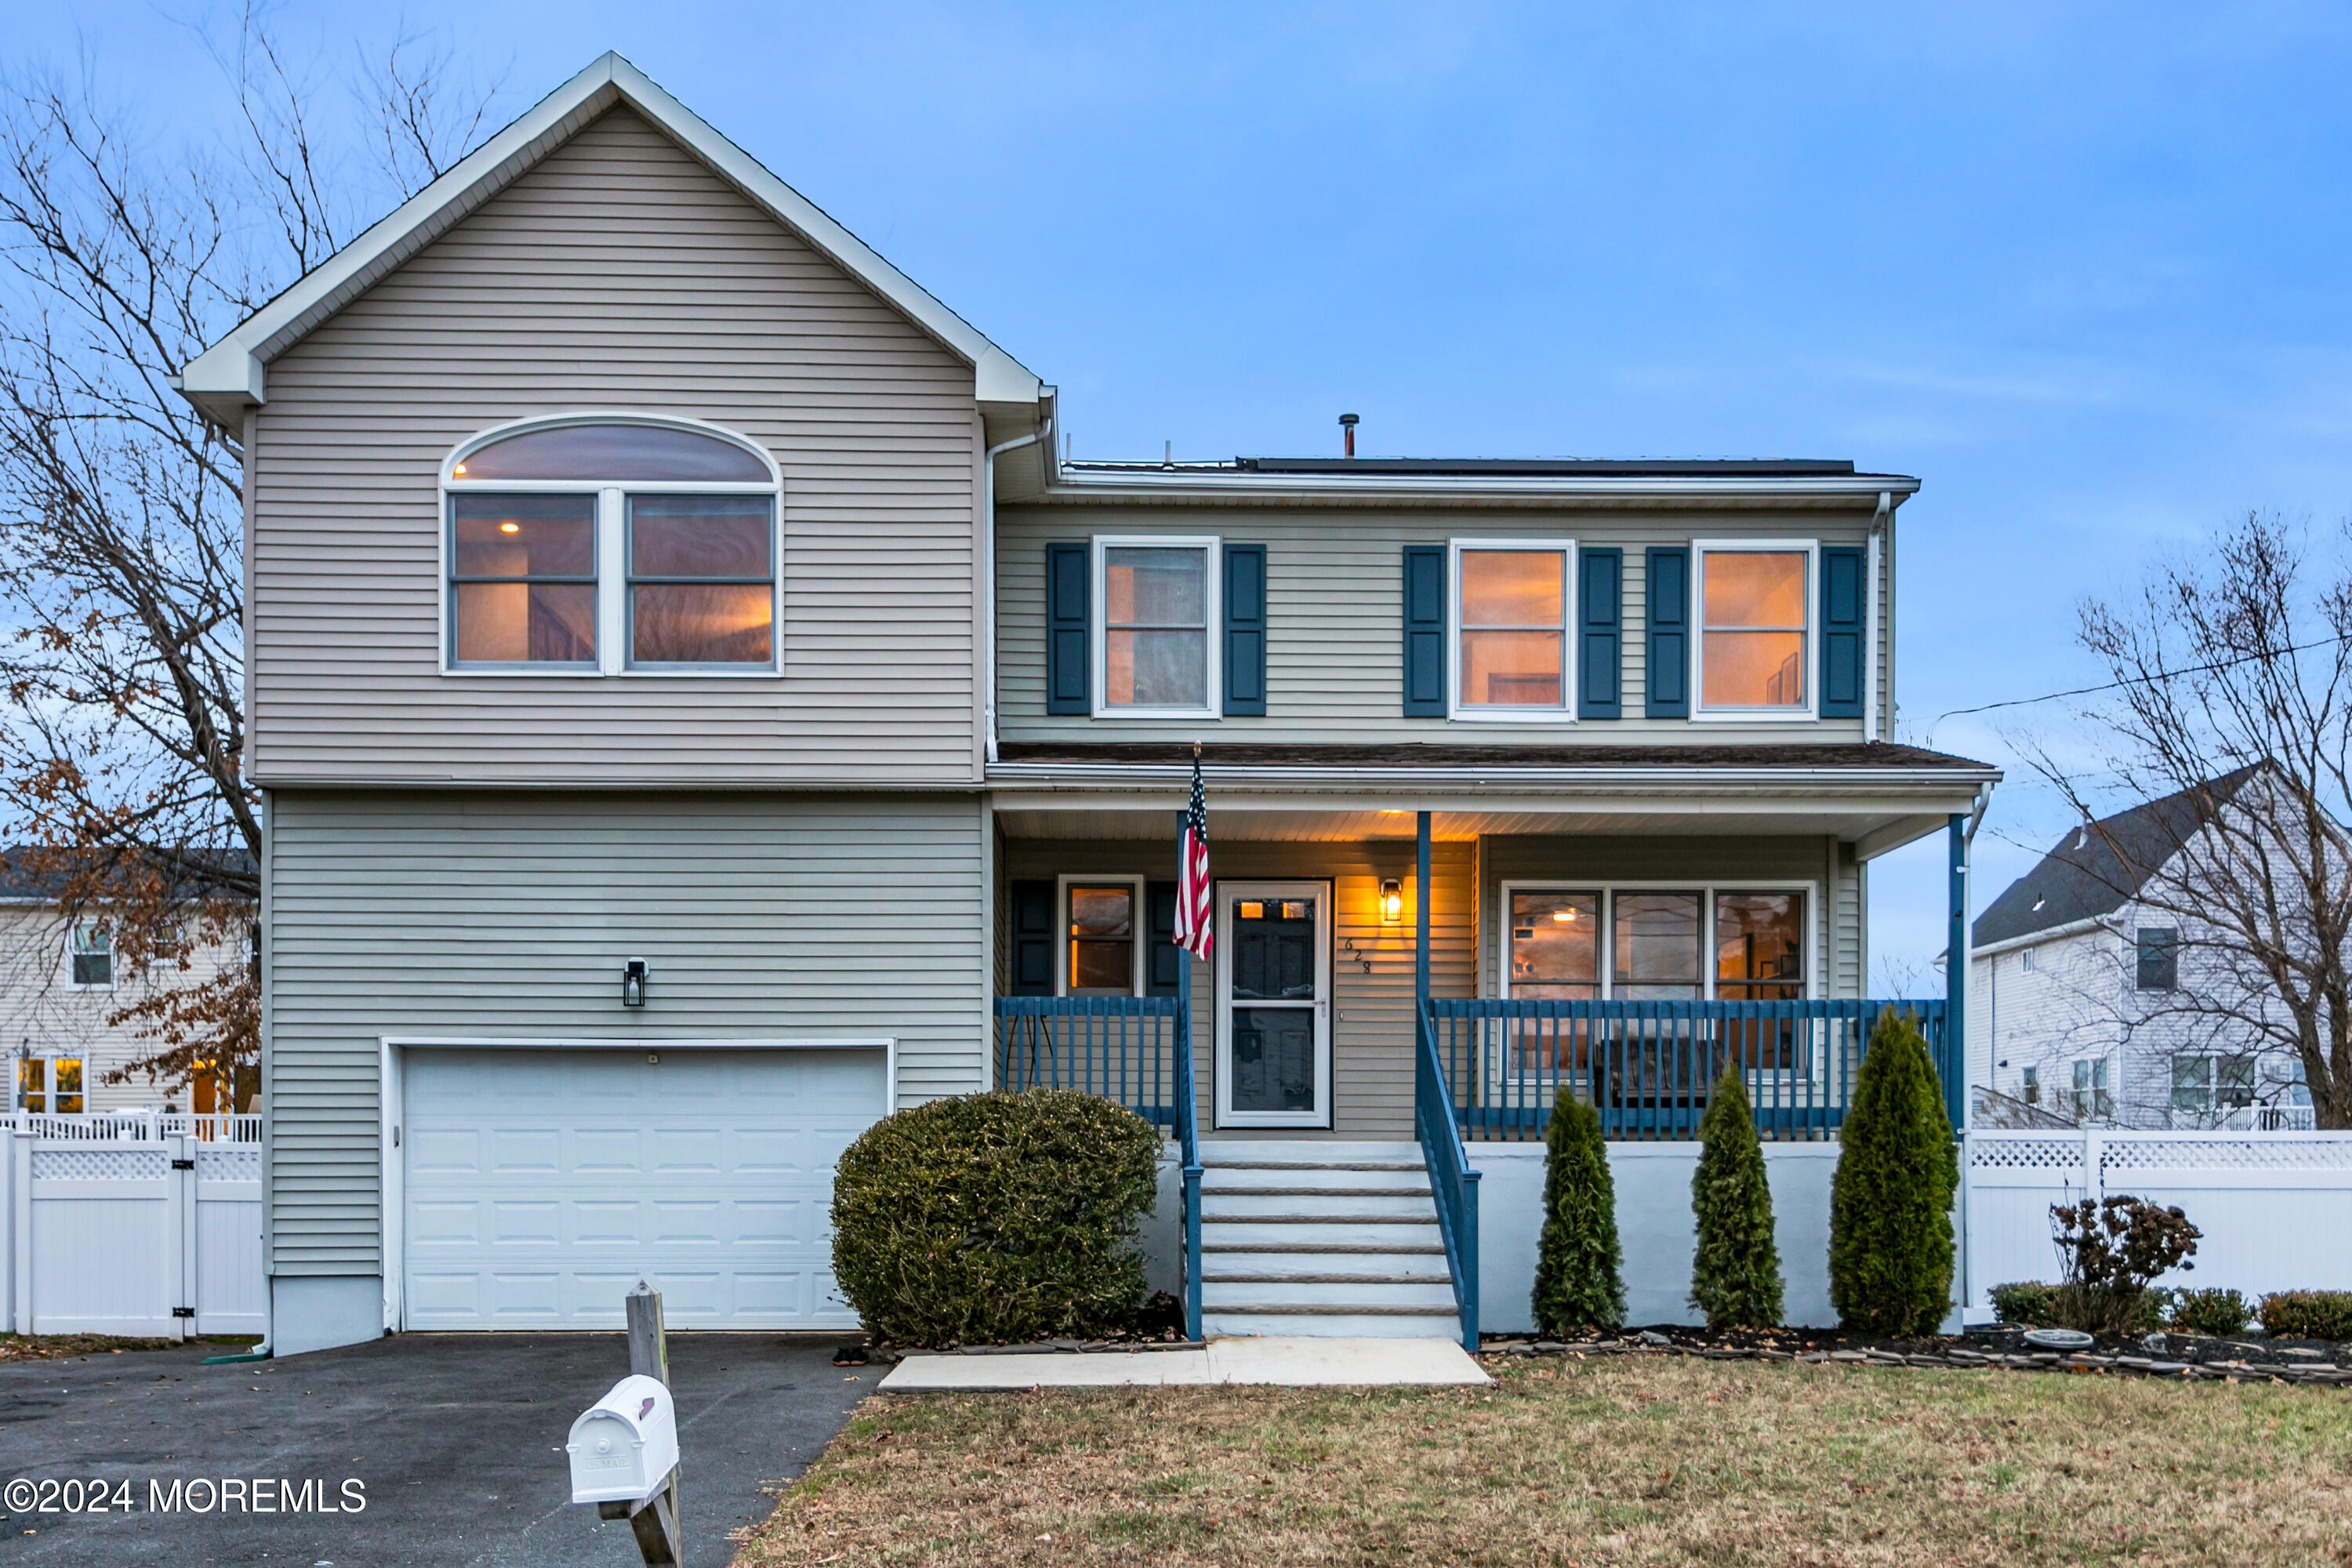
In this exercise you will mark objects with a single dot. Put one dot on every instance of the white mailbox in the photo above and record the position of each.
(624, 1445)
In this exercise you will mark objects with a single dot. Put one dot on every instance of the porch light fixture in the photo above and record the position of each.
(1391, 900)
(633, 983)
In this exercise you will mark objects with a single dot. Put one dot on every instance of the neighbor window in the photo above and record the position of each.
(1511, 648)
(1755, 617)
(2091, 1097)
(600, 547)
(2233, 1081)
(2159, 959)
(1159, 603)
(2025, 961)
(2192, 1083)
(50, 1084)
(1101, 939)
(2033, 1085)
(92, 954)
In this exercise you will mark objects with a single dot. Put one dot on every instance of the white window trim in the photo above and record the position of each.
(1098, 623)
(1816, 980)
(1492, 714)
(49, 1059)
(610, 559)
(113, 966)
(1811, 712)
(1061, 885)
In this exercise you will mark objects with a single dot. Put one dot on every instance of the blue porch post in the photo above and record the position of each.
(1953, 1066)
(1421, 910)
(1188, 1142)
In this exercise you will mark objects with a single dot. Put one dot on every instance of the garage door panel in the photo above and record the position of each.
(540, 1190)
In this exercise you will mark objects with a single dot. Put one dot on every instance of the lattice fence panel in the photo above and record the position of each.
(100, 1163)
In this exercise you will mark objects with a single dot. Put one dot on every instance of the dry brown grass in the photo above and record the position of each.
(1621, 1461)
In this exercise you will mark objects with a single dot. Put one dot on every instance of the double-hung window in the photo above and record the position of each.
(1513, 656)
(611, 545)
(1757, 612)
(1155, 654)
(1102, 936)
(91, 955)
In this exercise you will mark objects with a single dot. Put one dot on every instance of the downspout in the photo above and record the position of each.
(1870, 590)
(987, 578)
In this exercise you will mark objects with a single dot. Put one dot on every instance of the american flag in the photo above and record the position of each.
(1192, 933)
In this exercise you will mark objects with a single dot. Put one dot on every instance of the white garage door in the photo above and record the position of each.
(539, 1185)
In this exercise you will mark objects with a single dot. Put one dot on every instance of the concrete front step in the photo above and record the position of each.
(1295, 1263)
(1317, 1154)
(1316, 1202)
(1385, 1296)
(1411, 1325)
(1306, 1235)
(1365, 1178)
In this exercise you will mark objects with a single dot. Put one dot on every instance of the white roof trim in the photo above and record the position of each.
(1196, 484)
(229, 377)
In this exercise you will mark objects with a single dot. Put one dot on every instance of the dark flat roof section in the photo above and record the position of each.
(1541, 468)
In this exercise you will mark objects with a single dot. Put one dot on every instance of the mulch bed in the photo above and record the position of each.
(63, 1347)
(2183, 1357)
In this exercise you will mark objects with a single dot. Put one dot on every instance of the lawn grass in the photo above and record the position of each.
(1621, 1460)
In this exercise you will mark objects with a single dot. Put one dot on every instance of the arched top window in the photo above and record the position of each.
(602, 544)
(590, 449)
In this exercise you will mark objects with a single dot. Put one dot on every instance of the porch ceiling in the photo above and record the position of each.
(1877, 827)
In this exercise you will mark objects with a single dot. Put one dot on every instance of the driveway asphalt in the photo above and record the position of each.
(457, 1439)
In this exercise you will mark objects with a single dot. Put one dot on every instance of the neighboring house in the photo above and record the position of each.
(2083, 1000)
(699, 707)
(61, 987)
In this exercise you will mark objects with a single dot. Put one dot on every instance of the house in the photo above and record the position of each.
(2085, 1001)
(62, 994)
(700, 708)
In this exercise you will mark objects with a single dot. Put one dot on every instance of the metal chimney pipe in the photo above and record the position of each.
(1348, 425)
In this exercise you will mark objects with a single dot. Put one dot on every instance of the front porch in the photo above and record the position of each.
(1385, 1007)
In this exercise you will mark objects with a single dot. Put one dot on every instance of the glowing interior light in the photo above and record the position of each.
(461, 470)
(510, 527)
(1563, 916)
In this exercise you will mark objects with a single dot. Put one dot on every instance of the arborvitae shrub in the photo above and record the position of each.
(996, 1218)
(1578, 1285)
(1736, 1277)
(1891, 1200)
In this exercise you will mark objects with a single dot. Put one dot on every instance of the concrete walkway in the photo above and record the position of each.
(1289, 1362)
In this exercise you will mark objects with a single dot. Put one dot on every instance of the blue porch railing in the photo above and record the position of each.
(1451, 1179)
(1137, 1050)
(1649, 1067)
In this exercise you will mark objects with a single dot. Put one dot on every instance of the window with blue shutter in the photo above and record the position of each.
(1424, 631)
(1600, 618)
(1161, 953)
(1068, 690)
(1844, 636)
(1245, 630)
(1031, 958)
(1666, 654)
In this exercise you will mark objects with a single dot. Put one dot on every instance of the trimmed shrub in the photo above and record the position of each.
(1736, 1277)
(2307, 1315)
(2026, 1304)
(996, 1218)
(1891, 1200)
(1578, 1283)
(2221, 1313)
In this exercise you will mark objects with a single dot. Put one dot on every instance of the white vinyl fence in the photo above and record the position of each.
(2275, 1207)
(134, 1223)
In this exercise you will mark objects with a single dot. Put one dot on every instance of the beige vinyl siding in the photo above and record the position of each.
(618, 274)
(505, 914)
(1372, 962)
(1834, 920)
(1335, 618)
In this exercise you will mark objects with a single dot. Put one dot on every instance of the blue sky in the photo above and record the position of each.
(2080, 267)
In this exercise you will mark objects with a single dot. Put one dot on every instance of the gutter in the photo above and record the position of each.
(1175, 775)
(2111, 921)
(987, 578)
(1071, 483)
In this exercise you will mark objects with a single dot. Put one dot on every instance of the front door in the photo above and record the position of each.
(1274, 1005)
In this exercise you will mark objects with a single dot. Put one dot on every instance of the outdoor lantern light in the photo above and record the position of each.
(633, 983)
(1391, 900)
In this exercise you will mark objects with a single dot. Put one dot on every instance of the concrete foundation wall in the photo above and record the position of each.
(1653, 1227)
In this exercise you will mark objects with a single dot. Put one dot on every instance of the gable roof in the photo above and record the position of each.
(2095, 869)
(231, 377)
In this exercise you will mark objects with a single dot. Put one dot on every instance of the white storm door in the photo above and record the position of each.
(1274, 1003)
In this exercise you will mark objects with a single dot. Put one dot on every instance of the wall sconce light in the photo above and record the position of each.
(633, 983)
(1391, 900)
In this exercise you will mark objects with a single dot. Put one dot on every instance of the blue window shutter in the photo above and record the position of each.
(1160, 952)
(1067, 636)
(1424, 631)
(1600, 616)
(1666, 662)
(1245, 630)
(1031, 965)
(1843, 633)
